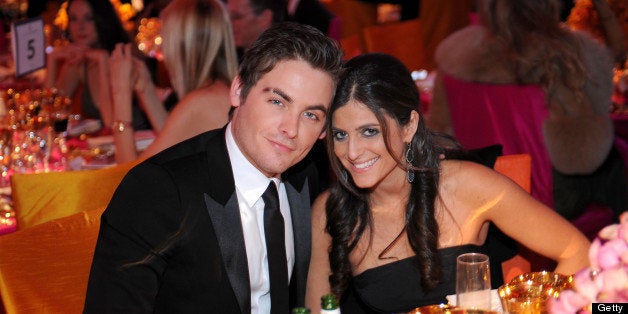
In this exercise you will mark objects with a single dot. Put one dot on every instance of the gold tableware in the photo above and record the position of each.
(432, 309)
(447, 309)
(528, 293)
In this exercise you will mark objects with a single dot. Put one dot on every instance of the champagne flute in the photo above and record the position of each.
(473, 281)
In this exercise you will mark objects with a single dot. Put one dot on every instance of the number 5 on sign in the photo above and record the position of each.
(28, 45)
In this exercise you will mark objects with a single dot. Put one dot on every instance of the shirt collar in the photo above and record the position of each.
(249, 181)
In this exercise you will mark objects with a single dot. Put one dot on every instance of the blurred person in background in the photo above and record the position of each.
(82, 65)
(439, 19)
(250, 18)
(606, 20)
(314, 13)
(523, 80)
(199, 53)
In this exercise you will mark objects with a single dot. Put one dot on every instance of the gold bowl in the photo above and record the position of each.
(432, 309)
(528, 293)
(551, 282)
(447, 309)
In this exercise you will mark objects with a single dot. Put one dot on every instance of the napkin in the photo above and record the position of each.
(496, 303)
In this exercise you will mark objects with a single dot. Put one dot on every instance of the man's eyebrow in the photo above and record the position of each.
(279, 93)
(317, 107)
(287, 98)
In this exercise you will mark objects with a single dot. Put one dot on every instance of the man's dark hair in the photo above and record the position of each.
(289, 41)
(278, 7)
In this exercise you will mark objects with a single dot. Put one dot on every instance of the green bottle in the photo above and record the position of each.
(329, 304)
(300, 310)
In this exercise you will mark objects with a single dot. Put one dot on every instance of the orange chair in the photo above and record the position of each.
(352, 46)
(45, 268)
(400, 39)
(440, 19)
(354, 15)
(41, 197)
(518, 167)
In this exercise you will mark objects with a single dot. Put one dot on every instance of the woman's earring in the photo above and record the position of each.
(409, 160)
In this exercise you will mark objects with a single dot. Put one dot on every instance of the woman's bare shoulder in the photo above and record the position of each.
(214, 93)
(467, 176)
(203, 103)
(320, 201)
(318, 208)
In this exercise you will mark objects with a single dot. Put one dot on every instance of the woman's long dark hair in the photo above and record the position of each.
(384, 85)
(108, 25)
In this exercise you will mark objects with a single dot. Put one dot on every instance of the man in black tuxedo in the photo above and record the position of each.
(250, 18)
(185, 231)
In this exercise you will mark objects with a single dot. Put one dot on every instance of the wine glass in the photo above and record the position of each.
(473, 281)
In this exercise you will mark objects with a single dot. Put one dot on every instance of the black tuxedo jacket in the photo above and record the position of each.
(313, 13)
(171, 239)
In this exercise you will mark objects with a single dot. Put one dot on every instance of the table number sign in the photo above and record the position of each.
(28, 45)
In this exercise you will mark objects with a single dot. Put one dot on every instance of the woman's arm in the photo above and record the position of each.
(120, 64)
(98, 82)
(64, 69)
(318, 275)
(490, 196)
(147, 94)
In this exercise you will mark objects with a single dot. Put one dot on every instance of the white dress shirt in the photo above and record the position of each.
(250, 184)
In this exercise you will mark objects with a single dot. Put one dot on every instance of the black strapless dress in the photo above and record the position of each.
(396, 287)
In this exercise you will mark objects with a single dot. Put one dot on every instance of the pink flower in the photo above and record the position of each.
(594, 250)
(587, 285)
(614, 280)
(606, 280)
(568, 302)
(609, 255)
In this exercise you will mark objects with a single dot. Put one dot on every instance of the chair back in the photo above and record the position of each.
(400, 39)
(517, 167)
(354, 15)
(41, 197)
(45, 268)
(352, 46)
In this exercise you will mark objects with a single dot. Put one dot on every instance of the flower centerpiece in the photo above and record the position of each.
(606, 280)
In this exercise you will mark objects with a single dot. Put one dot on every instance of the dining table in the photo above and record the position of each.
(88, 148)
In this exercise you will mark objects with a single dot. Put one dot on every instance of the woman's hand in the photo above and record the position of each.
(70, 53)
(96, 57)
(121, 68)
(65, 68)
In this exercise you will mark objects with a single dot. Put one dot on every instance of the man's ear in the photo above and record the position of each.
(322, 136)
(267, 18)
(234, 93)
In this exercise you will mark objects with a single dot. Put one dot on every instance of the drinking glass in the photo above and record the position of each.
(473, 281)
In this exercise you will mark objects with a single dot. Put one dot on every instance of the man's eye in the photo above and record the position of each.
(369, 132)
(339, 135)
(311, 116)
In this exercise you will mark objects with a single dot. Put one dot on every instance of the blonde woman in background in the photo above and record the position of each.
(200, 57)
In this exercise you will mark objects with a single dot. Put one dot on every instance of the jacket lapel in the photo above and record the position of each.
(228, 229)
(301, 226)
(222, 205)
